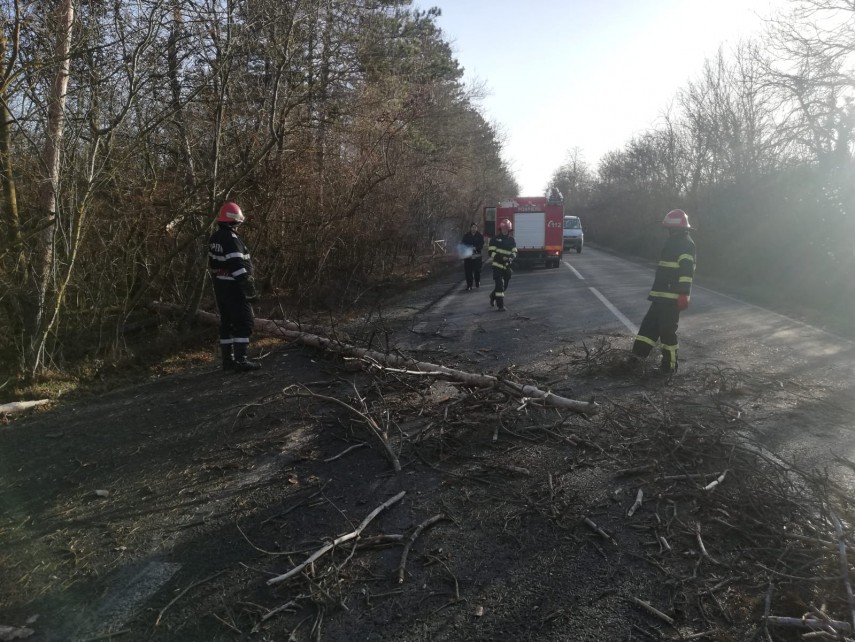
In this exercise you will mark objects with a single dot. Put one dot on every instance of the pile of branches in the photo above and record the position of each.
(728, 522)
(740, 537)
(738, 534)
(746, 544)
(410, 418)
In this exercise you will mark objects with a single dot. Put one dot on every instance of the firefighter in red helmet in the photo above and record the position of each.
(672, 287)
(503, 251)
(234, 287)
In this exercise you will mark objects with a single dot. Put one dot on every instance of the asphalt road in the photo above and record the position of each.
(596, 293)
(107, 557)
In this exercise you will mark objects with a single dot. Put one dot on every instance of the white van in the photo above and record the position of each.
(573, 234)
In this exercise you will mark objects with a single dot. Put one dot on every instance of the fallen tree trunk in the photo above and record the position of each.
(812, 624)
(407, 365)
(18, 406)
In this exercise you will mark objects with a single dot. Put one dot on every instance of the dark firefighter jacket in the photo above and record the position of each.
(228, 256)
(503, 250)
(675, 271)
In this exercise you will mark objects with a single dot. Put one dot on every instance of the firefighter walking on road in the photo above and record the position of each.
(234, 287)
(503, 251)
(672, 287)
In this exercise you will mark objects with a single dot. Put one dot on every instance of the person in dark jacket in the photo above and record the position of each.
(234, 288)
(672, 287)
(503, 251)
(472, 263)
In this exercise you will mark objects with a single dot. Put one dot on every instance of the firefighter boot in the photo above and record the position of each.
(668, 365)
(242, 364)
(228, 357)
(667, 370)
(492, 299)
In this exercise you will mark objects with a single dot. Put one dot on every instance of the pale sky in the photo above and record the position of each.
(585, 73)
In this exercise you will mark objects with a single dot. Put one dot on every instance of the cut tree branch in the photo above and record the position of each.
(289, 330)
(18, 406)
(375, 429)
(337, 541)
(402, 567)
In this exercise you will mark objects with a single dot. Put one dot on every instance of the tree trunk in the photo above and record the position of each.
(175, 90)
(11, 221)
(39, 277)
(13, 262)
(194, 268)
(401, 364)
(320, 109)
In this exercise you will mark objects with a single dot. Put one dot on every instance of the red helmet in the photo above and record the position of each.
(676, 220)
(230, 213)
(506, 225)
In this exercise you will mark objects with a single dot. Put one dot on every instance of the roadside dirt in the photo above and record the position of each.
(159, 512)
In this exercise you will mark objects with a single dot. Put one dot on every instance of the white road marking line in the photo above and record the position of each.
(126, 600)
(574, 271)
(620, 316)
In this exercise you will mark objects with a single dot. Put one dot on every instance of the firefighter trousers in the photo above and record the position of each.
(236, 315)
(501, 278)
(659, 324)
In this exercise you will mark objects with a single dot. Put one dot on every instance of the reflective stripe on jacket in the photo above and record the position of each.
(676, 269)
(503, 250)
(228, 256)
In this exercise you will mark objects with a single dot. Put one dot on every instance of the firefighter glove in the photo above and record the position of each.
(682, 301)
(247, 286)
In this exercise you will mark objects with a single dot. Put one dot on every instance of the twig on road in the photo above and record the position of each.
(339, 540)
(402, 567)
(183, 593)
(652, 610)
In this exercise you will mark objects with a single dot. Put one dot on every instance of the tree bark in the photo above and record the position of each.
(43, 253)
(12, 221)
(14, 264)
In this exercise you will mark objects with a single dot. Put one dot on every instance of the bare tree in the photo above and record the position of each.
(342, 127)
(811, 63)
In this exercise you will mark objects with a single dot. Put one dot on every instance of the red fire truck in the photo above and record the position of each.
(538, 226)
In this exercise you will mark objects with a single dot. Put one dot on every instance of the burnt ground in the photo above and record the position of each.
(160, 511)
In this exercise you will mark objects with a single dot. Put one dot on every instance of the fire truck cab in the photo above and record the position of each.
(538, 227)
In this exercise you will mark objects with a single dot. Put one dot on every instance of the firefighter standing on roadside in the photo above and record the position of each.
(672, 287)
(503, 250)
(234, 288)
(472, 264)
